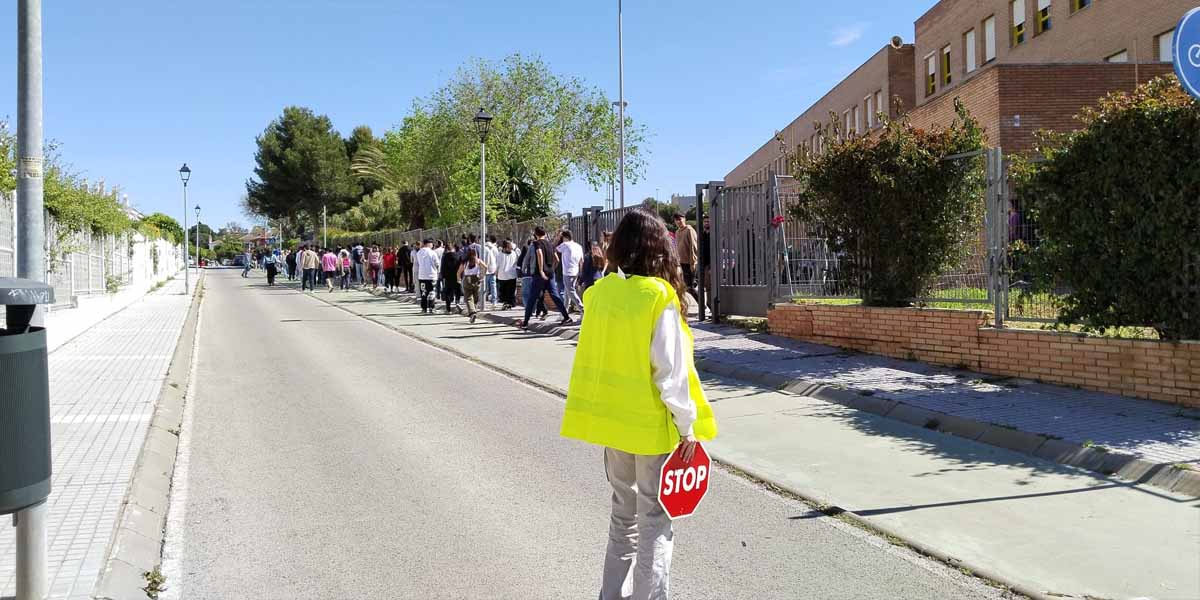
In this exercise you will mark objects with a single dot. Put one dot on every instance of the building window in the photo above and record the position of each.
(1080, 4)
(880, 107)
(1165, 41)
(1043, 16)
(969, 50)
(1018, 21)
(930, 75)
(846, 124)
(869, 102)
(989, 40)
(1120, 57)
(946, 75)
(858, 128)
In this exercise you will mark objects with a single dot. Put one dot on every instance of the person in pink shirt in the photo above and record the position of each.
(375, 264)
(329, 264)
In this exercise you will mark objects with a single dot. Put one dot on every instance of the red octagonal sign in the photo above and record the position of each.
(681, 486)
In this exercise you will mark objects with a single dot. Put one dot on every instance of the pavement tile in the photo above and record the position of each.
(103, 388)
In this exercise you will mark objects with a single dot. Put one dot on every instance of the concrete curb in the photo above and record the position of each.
(136, 545)
(1096, 459)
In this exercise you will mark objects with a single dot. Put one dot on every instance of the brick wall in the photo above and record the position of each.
(1014, 102)
(1163, 371)
(1089, 35)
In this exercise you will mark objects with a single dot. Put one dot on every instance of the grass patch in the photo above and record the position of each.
(751, 324)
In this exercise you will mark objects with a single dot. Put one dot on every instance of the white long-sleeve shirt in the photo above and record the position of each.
(506, 265)
(669, 359)
(428, 264)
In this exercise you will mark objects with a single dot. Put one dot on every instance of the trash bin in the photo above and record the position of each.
(24, 397)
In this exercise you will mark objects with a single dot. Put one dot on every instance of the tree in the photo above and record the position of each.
(376, 212)
(362, 139)
(546, 129)
(205, 233)
(893, 205)
(229, 248)
(301, 167)
(1117, 204)
(233, 227)
(8, 158)
(166, 225)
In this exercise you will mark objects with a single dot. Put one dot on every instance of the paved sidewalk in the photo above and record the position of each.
(1055, 531)
(1159, 433)
(103, 387)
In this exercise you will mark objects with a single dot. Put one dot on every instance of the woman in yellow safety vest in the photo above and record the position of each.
(634, 390)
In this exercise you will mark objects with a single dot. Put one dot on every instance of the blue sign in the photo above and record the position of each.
(1185, 47)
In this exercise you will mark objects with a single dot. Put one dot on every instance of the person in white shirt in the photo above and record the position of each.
(506, 274)
(428, 264)
(490, 250)
(571, 255)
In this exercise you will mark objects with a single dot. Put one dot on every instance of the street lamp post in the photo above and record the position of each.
(483, 123)
(197, 240)
(621, 98)
(185, 174)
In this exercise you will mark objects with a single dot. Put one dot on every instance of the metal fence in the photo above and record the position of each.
(763, 254)
(517, 231)
(82, 264)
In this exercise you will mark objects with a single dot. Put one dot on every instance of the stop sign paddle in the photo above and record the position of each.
(681, 486)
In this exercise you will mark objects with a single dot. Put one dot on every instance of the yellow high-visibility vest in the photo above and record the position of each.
(612, 400)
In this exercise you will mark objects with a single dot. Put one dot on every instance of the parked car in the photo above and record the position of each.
(239, 260)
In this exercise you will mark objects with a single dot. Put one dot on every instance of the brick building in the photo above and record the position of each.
(1019, 66)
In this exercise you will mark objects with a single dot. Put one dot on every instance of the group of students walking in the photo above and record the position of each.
(634, 389)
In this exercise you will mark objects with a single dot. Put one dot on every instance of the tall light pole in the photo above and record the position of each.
(621, 98)
(483, 123)
(185, 174)
(197, 240)
(30, 521)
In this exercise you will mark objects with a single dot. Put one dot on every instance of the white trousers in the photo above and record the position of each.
(637, 564)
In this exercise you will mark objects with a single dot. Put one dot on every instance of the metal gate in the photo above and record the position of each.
(762, 254)
(744, 248)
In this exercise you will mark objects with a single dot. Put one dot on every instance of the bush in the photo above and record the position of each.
(1118, 206)
(893, 206)
(166, 227)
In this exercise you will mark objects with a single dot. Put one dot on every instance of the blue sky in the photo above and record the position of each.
(135, 88)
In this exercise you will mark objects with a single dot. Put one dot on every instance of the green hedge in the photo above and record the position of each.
(1117, 204)
(900, 211)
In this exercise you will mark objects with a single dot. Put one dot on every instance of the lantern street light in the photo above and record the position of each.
(185, 174)
(483, 123)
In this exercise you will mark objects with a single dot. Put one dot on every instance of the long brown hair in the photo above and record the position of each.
(641, 245)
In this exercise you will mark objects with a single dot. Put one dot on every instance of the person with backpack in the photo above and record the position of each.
(543, 264)
(526, 262)
(451, 291)
(470, 275)
(635, 392)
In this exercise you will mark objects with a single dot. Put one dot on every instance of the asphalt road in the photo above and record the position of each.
(324, 456)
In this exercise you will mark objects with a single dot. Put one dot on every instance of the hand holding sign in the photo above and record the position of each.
(683, 484)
